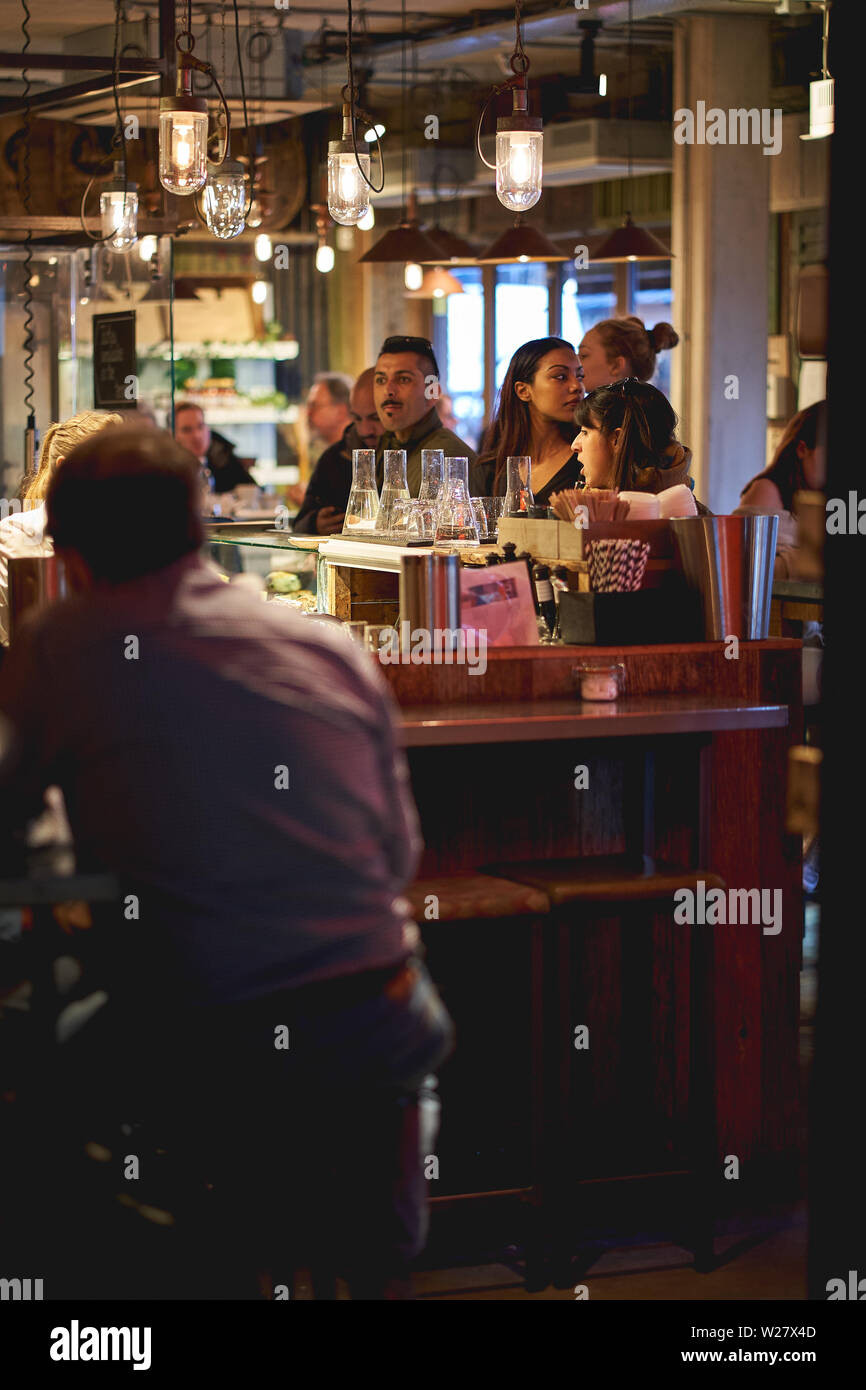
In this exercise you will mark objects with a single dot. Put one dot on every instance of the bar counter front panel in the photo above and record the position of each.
(493, 760)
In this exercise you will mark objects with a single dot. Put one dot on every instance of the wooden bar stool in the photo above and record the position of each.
(483, 939)
(621, 977)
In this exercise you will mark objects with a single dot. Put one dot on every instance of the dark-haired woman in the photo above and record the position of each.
(535, 417)
(798, 465)
(627, 439)
(618, 348)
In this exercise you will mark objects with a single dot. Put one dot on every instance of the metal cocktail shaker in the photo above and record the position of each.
(430, 600)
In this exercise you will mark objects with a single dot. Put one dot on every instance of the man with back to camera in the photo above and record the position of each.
(324, 505)
(406, 389)
(267, 869)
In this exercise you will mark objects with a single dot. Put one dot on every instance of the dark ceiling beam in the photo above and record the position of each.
(76, 62)
(75, 91)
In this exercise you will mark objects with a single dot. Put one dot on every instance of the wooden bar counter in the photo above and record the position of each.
(690, 765)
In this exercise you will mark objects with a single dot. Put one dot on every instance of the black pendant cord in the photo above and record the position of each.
(403, 118)
(350, 69)
(28, 254)
(244, 103)
(630, 96)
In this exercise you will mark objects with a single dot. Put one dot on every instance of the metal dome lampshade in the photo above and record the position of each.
(630, 243)
(520, 244)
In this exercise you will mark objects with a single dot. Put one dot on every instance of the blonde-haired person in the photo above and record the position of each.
(23, 532)
(618, 348)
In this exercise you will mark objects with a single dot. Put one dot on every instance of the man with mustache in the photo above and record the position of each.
(406, 387)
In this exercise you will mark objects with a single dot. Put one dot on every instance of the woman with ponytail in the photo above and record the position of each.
(627, 440)
(618, 348)
(23, 533)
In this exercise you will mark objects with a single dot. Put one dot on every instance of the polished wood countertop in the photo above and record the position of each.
(525, 721)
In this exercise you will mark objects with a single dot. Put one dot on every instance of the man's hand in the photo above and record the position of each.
(329, 521)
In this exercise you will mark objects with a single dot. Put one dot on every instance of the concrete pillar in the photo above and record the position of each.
(720, 243)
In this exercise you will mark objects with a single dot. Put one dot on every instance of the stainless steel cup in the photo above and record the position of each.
(729, 561)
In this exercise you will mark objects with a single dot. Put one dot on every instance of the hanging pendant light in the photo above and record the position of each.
(458, 251)
(118, 208)
(822, 94)
(183, 127)
(520, 244)
(348, 176)
(437, 283)
(519, 137)
(348, 168)
(324, 253)
(630, 242)
(224, 199)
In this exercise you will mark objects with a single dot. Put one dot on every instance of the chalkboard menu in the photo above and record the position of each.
(115, 383)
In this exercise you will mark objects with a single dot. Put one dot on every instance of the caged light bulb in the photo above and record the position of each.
(183, 144)
(519, 147)
(224, 199)
(348, 189)
(118, 208)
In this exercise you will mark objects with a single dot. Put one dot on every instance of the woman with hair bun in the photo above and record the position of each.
(618, 348)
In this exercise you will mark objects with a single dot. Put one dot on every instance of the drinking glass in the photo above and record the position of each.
(456, 521)
(420, 521)
(487, 518)
(432, 473)
(394, 485)
(363, 504)
(399, 518)
(518, 497)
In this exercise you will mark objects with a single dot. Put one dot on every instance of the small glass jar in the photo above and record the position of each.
(599, 680)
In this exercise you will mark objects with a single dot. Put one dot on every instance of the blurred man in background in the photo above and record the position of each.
(324, 504)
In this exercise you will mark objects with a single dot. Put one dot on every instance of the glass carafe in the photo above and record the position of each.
(363, 504)
(394, 485)
(432, 473)
(456, 522)
(518, 496)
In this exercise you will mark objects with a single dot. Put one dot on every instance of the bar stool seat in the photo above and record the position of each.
(581, 891)
(491, 1089)
(466, 896)
(602, 879)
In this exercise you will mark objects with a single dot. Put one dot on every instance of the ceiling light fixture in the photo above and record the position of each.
(520, 244)
(519, 138)
(437, 284)
(630, 242)
(822, 94)
(183, 164)
(349, 170)
(587, 84)
(118, 209)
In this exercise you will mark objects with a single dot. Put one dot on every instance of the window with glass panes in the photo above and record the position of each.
(464, 352)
